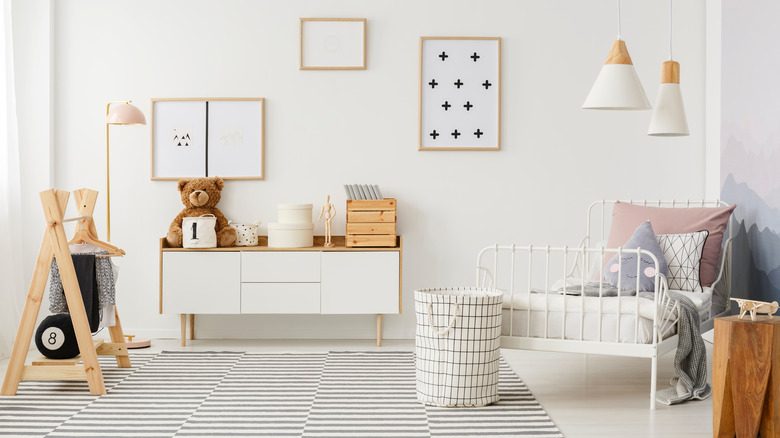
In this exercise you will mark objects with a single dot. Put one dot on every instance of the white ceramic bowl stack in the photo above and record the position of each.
(294, 229)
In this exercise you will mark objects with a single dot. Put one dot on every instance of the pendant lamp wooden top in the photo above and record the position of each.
(619, 54)
(670, 72)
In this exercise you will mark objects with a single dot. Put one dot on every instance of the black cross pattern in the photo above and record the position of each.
(446, 105)
(458, 84)
(474, 56)
(479, 133)
(433, 83)
(456, 134)
(486, 84)
(468, 106)
(444, 56)
(434, 134)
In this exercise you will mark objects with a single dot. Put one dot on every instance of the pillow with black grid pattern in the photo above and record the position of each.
(683, 255)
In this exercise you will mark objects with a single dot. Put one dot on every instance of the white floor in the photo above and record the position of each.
(586, 395)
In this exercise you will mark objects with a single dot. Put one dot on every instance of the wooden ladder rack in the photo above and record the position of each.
(55, 244)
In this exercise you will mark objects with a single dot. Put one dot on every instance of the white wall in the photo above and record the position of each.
(325, 129)
(713, 93)
(32, 64)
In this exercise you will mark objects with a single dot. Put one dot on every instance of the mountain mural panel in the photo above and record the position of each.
(749, 281)
(750, 145)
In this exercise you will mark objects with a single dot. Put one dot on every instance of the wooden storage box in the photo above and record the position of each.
(371, 222)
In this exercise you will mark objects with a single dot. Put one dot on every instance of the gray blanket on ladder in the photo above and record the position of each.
(690, 359)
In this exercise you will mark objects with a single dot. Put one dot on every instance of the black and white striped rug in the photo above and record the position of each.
(235, 394)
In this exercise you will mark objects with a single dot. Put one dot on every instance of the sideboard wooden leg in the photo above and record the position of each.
(379, 330)
(192, 326)
(183, 329)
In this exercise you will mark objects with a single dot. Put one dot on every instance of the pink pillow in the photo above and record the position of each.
(626, 217)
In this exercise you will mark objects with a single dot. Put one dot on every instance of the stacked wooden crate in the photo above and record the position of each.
(371, 222)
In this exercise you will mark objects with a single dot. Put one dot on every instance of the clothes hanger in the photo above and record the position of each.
(84, 236)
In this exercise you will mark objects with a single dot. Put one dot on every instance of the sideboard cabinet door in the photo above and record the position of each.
(359, 282)
(202, 282)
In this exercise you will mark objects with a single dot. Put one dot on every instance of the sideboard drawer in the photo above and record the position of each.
(360, 282)
(204, 282)
(280, 298)
(280, 266)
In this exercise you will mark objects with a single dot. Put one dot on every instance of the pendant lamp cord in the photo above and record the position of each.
(618, 17)
(670, 30)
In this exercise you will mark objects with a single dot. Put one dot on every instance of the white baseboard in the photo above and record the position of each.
(280, 333)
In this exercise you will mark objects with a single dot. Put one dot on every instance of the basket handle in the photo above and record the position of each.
(442, 332)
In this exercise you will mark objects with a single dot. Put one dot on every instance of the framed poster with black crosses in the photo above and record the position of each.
(460, 93)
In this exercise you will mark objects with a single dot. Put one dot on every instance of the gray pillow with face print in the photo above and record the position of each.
(643, 238)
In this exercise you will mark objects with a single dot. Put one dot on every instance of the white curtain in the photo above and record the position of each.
(12, 289)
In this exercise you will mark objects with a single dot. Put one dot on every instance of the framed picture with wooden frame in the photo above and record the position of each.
(333, 44)
(199, 137)
(460, 94)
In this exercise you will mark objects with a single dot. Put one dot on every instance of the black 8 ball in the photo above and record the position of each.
(55, 337)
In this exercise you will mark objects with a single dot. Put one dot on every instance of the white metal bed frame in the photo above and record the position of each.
(663, 319)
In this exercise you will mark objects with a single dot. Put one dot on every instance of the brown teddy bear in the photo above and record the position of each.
(200, 196)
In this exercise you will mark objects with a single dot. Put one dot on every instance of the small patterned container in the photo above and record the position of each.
(247, 233)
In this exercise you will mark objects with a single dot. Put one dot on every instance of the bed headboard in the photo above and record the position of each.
(600, 214)
(600, 217)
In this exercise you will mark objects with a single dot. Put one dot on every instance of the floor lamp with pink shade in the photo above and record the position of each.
(124, 114)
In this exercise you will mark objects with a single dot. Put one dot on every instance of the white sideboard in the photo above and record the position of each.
(263, 280)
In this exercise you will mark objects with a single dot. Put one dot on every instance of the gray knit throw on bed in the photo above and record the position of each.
(690, 360)
(590, 289)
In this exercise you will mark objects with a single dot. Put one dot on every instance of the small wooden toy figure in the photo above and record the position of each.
(326, 210)
(754, 307)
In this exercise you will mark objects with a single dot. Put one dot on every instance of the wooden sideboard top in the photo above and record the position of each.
(263, 246)
(760, 319)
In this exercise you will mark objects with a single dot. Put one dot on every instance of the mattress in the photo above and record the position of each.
(586, 309)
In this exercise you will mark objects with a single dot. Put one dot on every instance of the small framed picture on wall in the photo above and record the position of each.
(178, 138)
(198, 137)
(460, 94)
(333, 44)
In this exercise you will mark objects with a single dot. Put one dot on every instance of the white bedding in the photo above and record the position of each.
(590, 326)
(630, 331)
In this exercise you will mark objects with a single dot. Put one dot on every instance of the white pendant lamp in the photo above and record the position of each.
(669, 118)
(617, 87)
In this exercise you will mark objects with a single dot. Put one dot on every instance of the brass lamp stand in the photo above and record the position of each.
(125, 114)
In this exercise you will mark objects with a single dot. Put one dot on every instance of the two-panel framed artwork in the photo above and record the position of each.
(198, 137)
(333, 44)
(460, 94)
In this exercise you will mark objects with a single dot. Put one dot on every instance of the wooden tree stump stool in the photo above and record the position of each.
(746, 377)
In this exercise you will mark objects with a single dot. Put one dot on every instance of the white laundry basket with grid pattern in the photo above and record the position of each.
(457, 346)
